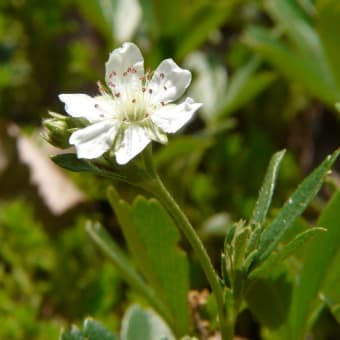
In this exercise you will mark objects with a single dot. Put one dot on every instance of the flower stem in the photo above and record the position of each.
(157, 187)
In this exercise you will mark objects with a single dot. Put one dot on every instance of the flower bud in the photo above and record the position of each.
(57, 132)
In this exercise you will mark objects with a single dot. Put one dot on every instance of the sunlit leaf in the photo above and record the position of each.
(266, 192)
(319, 271)
(294, 207)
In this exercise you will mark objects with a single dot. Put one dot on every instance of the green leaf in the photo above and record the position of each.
(71, 334)
(294, 66)
(266, 192)
(152, 238)
(244, 85)
(268, 299)
(123, 265)
(298, 26)
(320, 271)
(294, 21)
(294, 207)
(328, 26)
(93, 330)
(240, 245)
(144, 324)
(210, 17)
(69, 161)
(273, 260)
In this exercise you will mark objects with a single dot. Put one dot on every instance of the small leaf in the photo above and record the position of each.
(69, 161)
(93, 330)
(240, 246)
(144, 324)
(266, 192)
(254, 238)
(71, 334)
(294, 207)
(286, 250)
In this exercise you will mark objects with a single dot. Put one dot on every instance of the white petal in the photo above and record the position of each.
(91, 142)
(171, 118)
(135, 139)
(82, 105)
(169, 82)
(125, 66)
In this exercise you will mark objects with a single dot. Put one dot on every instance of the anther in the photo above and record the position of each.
(133, 100)
(117, 94)
(124, 74)
(96, 106)
(165, 88)
(143, 89)
(150, 91)
(161, 75)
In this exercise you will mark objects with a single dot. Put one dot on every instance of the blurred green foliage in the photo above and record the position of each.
(268, 74)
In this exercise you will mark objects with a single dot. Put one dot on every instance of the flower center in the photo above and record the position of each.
(132, 95)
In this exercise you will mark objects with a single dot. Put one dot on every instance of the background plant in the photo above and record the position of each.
(282, 96)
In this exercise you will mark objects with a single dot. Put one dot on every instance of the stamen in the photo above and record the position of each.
(165, 88)
(117, 94)
(150, 91)
(101, 88)
(143, 89)
(112, 74)
(133, 100)
(96, 106)
(124, 74)
(161, 75)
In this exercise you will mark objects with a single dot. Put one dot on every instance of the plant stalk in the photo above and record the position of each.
(156, 187)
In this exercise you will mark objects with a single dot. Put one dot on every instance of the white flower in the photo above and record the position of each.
(137, 109)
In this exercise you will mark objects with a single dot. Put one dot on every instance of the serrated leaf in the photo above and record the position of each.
(294, 207)
(69, 161)
(152, 238)
(320, 271)
(266, 192)
(144, 324)
(286, 250)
